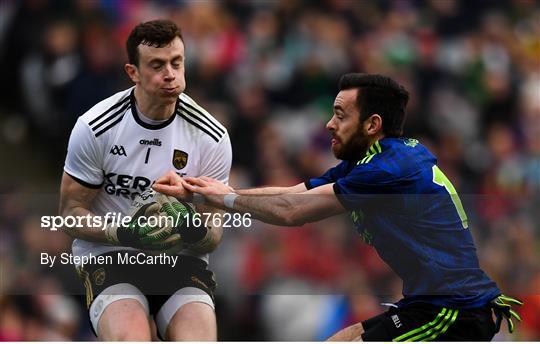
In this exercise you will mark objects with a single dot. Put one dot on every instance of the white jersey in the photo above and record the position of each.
(117, 150)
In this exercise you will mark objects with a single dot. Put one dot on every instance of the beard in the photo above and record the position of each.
(354, 149)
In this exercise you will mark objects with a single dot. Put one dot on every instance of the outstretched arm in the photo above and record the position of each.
(284, 210)
(273, 190)
(287, 209)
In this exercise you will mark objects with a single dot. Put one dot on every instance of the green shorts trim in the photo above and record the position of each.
(431, 330)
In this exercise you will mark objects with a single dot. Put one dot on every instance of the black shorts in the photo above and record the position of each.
(426, 322)
(157, 281)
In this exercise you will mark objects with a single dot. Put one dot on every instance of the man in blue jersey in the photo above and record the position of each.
(400, 202)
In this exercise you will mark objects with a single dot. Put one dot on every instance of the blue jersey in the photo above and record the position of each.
(403, 205)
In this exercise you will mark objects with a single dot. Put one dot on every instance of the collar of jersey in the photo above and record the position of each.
(373, 149)
(142, 123)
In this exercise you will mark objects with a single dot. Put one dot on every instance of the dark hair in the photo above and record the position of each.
(155, 33)
(378, 94)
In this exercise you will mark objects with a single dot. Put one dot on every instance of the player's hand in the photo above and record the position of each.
(172, 184)
(206, 186)
(139, 234)
(502, 305)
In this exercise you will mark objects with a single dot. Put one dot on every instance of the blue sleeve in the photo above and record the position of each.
(362, 183)
(330, 176)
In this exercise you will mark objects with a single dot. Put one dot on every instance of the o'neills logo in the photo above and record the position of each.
(154, 142)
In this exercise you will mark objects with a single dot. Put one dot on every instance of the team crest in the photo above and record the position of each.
(411, 142)
(179, 159)
(99, 276)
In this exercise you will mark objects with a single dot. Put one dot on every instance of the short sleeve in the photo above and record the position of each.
(218, 160)
(362, 184)
(83, 162)
(330, 176)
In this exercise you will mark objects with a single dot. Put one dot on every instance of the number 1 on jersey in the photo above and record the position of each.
(440, 179)
(147, 155)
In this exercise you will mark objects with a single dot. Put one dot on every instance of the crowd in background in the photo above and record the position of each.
(268, 70)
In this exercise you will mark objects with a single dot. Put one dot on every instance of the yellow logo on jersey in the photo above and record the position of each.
(179, 159)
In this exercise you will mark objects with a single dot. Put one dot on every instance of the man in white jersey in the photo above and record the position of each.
(116, 151)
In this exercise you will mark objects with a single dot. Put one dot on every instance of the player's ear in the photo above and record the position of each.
(373, 124)
(132, 71)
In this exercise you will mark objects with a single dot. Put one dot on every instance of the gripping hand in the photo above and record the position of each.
(139, 234)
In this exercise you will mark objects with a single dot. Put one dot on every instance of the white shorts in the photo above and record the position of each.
(164, 315)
